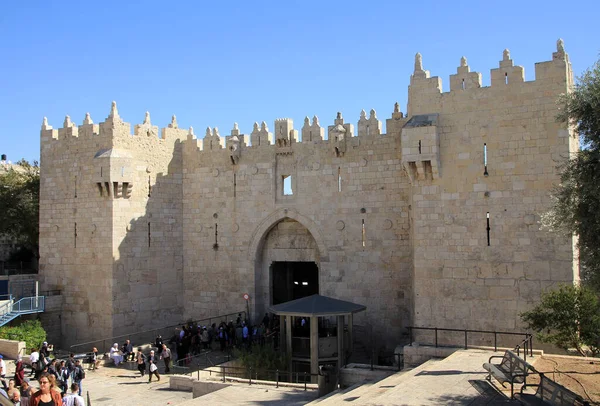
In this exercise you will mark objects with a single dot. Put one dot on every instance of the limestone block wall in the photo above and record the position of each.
(499, 148)
(75, 229)
(238, 206)
(116, 273)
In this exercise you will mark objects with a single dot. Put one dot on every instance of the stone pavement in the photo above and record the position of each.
(456, 380)
(111, 386)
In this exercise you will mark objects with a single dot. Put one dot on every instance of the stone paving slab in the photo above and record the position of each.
(457, 380)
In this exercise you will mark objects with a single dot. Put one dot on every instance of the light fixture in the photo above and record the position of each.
(304, 283)
(295, 282)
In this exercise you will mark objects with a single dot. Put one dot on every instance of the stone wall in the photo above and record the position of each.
(145, 230)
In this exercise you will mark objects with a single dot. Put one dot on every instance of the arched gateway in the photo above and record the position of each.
(288, 252)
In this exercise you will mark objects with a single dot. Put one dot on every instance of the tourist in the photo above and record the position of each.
(15, 398)
(165, 355)
(54, 384)
(204, 338)
(26, 390)
(52, 369)
(78, 375)
(45, 396)
(11, 388)
(141, 361)
(63, 376)
(70, 364)
(115, 354)
(34, 357)
(153, 367)
(45, 352)
(95, 361)
(158, 343)
(19, 371)
(74, 398)
(128, 351)
(3, 372)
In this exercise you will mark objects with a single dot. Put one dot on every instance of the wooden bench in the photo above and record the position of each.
(550, 393)
(512, 369)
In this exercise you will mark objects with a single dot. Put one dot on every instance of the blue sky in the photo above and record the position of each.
(216, 63)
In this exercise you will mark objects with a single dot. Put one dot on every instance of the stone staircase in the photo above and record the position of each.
(10, 310)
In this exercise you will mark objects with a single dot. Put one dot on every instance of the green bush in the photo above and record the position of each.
(30, 331)
(261, 360)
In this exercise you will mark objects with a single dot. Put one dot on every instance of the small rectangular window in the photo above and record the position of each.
(287, 185)
(364, 234)
(339, 182)
(485, 161)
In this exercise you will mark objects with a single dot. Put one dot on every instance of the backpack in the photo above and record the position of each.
(79, 374)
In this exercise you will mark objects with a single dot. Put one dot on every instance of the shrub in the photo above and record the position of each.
(30, 331)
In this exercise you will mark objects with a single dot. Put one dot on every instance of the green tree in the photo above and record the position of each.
(19, 205)
(576, 200)
(568, 317)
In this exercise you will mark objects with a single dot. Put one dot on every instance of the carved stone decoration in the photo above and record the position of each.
(340, 225)
(316, 166)
(387, 224)
(254, 170)
(215, 172)
(235, 228)
(363, 162)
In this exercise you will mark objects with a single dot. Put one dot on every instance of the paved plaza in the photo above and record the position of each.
(456, 380)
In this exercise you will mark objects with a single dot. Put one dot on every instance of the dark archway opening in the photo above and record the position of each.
(293, 280)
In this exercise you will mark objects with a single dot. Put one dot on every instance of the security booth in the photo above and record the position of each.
(312, 331)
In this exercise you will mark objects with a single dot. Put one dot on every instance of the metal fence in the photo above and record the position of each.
(449, 337)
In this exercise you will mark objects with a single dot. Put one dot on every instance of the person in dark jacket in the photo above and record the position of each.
(140, 359)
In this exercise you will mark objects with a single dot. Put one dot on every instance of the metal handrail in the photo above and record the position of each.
(277, 373)
(25, 305)
(527, 339)
(152, 332)
(527, 345)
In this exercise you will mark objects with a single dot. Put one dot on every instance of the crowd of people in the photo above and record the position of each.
(52, 375)
(193, 339)
(60, 381)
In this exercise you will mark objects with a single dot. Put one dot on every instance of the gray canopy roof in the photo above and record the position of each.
(316, 305)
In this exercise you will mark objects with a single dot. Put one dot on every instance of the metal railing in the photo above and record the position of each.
(526, 345)
(226, 372)
(528, 338)
(149, 336)
(26, 305)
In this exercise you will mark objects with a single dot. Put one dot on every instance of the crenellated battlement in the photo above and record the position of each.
(424, 90)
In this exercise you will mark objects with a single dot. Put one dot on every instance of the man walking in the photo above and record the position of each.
(73, 399)
(78, 375)
(166, 357)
